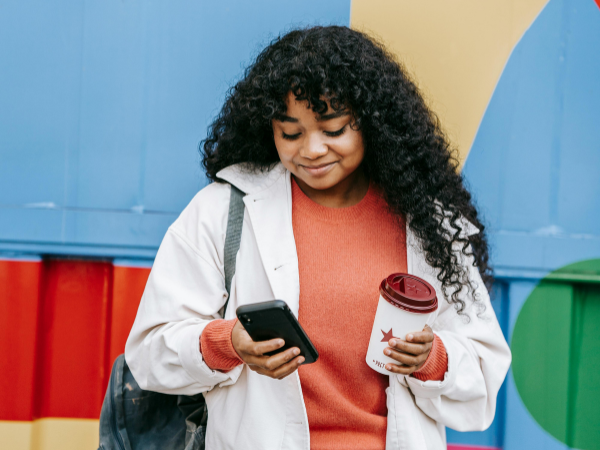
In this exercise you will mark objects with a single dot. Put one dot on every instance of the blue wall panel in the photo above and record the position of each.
(535, 163)
(534, 170)
(104, 104)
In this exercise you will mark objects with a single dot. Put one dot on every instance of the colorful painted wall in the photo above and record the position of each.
(101, 112)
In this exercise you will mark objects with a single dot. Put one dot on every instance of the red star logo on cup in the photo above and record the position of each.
(387, 336)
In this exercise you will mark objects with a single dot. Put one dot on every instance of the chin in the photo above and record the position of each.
(320, 184)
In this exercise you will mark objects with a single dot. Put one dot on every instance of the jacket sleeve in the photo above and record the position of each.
(185, 291)
(478, 360)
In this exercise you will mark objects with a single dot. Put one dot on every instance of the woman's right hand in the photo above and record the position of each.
(252, 353)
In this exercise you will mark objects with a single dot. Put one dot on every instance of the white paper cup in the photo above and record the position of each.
(405, 304)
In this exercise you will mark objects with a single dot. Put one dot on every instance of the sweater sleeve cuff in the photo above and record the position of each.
(436, 365)
(216, 347)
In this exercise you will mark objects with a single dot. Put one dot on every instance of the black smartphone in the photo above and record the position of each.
(274, 319)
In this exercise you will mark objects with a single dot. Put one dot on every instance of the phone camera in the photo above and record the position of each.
(246, 318)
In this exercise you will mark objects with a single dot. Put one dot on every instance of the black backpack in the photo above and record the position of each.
(134, 419)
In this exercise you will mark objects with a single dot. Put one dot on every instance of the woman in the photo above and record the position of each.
(348, 178)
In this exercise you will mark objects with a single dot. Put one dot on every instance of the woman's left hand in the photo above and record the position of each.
(412, 353)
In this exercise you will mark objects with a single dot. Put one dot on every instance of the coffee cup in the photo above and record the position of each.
(406, 302)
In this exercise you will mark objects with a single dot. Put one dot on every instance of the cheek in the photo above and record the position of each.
(352, 149)
(285, 149)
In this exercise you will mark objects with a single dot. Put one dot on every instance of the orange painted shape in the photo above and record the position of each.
(598, 3)
(73, 340)
(128, 287)
(19, 290)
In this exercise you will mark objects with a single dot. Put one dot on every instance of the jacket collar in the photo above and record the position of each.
(249, 180)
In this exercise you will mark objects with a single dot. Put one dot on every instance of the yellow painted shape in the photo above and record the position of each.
(50, 434)
(455, 50)
(15, 435)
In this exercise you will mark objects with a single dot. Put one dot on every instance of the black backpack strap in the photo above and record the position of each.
(233, 237)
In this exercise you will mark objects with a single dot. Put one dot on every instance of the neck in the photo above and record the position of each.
(347, 192)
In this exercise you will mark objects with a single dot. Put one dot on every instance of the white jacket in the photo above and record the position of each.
(186, 290)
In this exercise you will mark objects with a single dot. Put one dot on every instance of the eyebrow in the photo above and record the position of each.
(323, 118)
(333, 115)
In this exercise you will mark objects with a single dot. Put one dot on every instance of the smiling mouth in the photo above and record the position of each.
(320, 169)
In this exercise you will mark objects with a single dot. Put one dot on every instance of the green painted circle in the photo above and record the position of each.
(556, 354)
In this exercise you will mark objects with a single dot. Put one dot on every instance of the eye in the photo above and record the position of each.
(290, 137)
(335, 133)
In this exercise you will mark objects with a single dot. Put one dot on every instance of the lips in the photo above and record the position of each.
(320, 169)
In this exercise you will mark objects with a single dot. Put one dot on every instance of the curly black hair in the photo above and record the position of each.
(406, 152)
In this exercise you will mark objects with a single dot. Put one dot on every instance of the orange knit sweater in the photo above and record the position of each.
(343, 254)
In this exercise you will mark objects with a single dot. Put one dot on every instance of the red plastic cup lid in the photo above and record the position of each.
(409, 292)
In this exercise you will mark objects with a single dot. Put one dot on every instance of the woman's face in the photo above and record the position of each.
(321, 151)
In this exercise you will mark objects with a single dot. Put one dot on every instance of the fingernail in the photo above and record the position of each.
(300, 360)
(296, 351)
(409, 337)
(393, 343)
(388, 367)
(280, 342)
(387, 351)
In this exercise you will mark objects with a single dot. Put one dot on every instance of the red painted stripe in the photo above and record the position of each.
(598, 3)
(73, 332)
(470, 447)
(19, 288)
(128, 287)
(62, 324)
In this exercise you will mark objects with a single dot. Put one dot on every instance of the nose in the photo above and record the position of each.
(314, 147)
